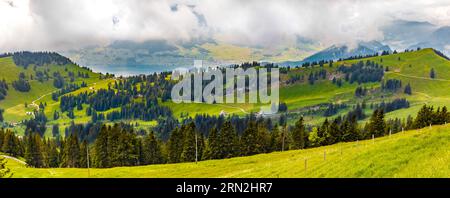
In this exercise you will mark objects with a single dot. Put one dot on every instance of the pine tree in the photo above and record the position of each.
(377, 124)
(408, 89)
(113, 145)
(432, 73)
(55, 130)
(333, 133)
(2, 136)
(249, 140)
(72, 152)
(350, 129)
(299, 135)
(212, 150)
(34, 150)
(152, 150)
(101, 157)
(126, 153)
(200, 146)
(424, 117)
(175, 146)
(229, 145)
(9, 145)
(275, 142)
(444, 116)
(53, 154)
(1, 115)
(189, 145)
(83, 154)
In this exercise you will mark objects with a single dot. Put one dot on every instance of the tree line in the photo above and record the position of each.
(119, 145)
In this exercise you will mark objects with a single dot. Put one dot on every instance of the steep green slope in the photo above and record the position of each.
(14, 103)
(414, 68)
(420, 153)
(409, 67)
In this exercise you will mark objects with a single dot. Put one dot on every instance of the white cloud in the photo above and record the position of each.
(66, 24)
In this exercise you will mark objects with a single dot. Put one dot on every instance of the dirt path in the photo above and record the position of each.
(239, 108)
(33, 103)
(15, 159)
(418, 77)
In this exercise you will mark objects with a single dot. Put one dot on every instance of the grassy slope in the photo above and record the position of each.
(420, 153)
(14, 102)
(413, 67)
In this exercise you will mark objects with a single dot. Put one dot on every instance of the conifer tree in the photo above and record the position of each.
(350, 129)
(83, 154)
(71, 152)
(189, 145)
(126, 153)
(34, 150)
(249, 140)
(212, 150)
(333, 133)
(275, 142)
(175, 145)
(299, 135)
(408, 89)
(229, 142)
(377, 124)
(152, 150)
(53, 154)
(9, 145)
(2, 136)
(424, 117)
(432, 73)
(101, 157)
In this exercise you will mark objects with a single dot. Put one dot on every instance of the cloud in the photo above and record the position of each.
(69, 24)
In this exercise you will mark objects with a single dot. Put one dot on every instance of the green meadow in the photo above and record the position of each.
(418, 153)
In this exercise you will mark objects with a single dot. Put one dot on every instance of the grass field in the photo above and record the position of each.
(410, 67)
(14, 102)
(419, 153)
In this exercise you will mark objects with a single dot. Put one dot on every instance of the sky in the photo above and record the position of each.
(73, 24)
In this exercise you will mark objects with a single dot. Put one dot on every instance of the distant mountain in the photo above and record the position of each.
(401, 34)
(128, 57)
(343, 51)
(439, 39)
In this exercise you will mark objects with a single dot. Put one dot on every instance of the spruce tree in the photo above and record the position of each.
(377, 124)
(152, 150)
(71, 152)
(299, 135)
(275, 142)
(125, 150)
(333, 133)
(2, 136)
(249, 140)
(53, 154)
(432, 73)
(9, 145)
(175, 145)
(189, 145)
(212, 150)
(200, 145)
(101, 157)
(350, 130)
(228, 141)
(83, 154)
(408, 89)
(424, 117)
(34, 150)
